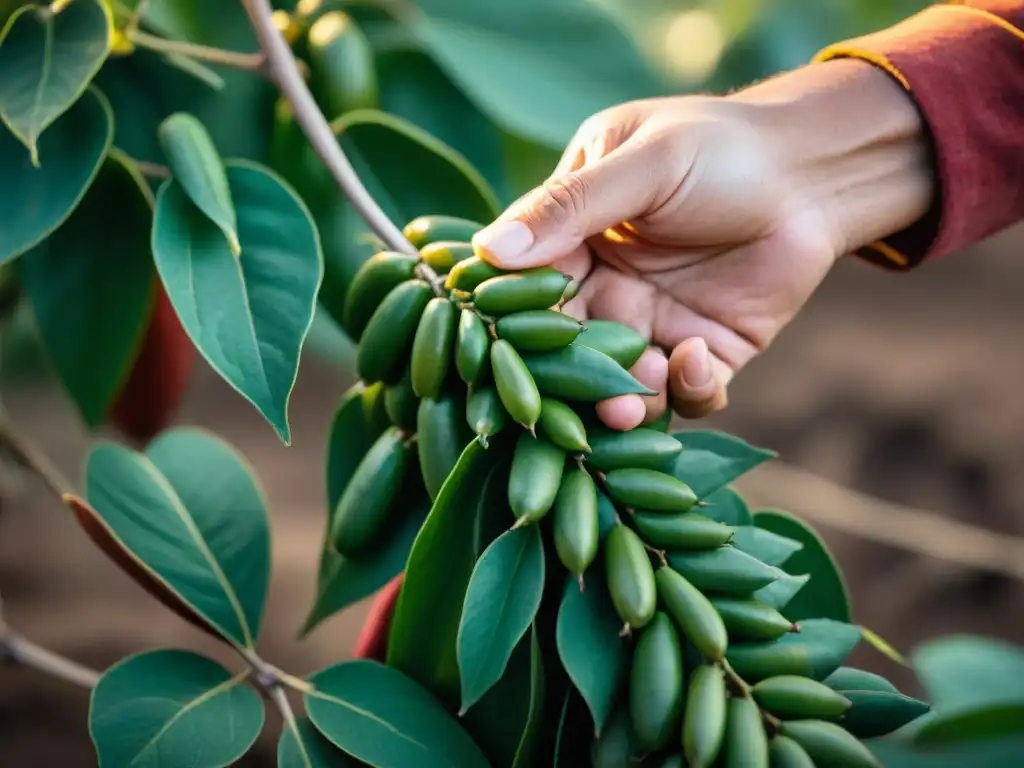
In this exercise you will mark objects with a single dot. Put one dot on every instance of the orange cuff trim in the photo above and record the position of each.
(845, 50)
(890, 254)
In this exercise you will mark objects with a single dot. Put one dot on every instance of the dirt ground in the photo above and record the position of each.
(903, 387)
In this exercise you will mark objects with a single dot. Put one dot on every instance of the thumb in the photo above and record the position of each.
(554, 219)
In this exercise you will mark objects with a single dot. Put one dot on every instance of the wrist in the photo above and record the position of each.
(853, 145)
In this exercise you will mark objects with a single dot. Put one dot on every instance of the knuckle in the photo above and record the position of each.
(565, 196)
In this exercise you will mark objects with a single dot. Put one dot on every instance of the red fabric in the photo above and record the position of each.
(963, 64)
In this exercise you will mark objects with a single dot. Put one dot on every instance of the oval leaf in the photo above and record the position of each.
(171, 707)
(817, 650)
(381, 717)
(768, 547)
(302, 746)
(423, 635)
(414, 88)
(198, 170)
(248, 316)
(394, 150)
(48, 60)
(780, 592)
(528, 742)
(509, 67)
(826, 595)
(91, 288)
(727, 506)
(711, 459)
(101, 536)
(965, 672)
(987, 722)
(501, 601)
(190, 512)
(853, 679)
(595, 657)
(35, 201)
(501, 720)
(879, 713)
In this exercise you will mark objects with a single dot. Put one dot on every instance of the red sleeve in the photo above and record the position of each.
(963, 64)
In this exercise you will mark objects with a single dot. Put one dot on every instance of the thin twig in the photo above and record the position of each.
(915, 530)
(152, 170)
(280, 698)
(32, 459)
(283, 70)
(246, 62)
(15, 649)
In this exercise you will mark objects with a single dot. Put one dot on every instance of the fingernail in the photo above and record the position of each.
(504, 242)
(697, 365)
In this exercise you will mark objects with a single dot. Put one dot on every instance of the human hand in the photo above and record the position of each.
(706, 223)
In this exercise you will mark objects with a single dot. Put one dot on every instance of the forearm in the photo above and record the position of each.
(854, 144)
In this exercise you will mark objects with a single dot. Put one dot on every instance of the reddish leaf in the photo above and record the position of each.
(159, 377)
(101, 536)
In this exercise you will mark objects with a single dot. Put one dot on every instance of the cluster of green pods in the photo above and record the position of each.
(458, 350)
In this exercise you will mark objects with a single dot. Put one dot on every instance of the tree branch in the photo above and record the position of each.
(15, 649)
(32, 459)
(284, 72)
(246, 62)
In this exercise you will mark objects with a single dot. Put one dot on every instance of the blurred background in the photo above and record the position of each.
(904, 388)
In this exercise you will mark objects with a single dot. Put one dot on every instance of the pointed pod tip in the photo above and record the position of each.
(579, 580)
(522, 521)
(234, 244)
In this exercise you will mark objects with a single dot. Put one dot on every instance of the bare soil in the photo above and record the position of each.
(902, 386)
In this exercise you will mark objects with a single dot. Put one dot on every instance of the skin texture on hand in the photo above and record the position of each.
(706, 223)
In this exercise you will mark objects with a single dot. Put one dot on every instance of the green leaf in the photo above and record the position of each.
(879, 713)
(48, 60)
(303, 746)
(711, 460)
(853, 679)
(826, 595)
(501, 720)
(727, 506)
(198, 170)
(528, 743)
(539, 67)
(817, 650)
(394, 151)
(191, 513)
(35, 201)
(963, 674)
(501, 602)
(781, 592)
(424, 629)
(381, 717)
(91, 288)
(595, 657)
(144, 89)
(989, 753)
(560, 734)
(985, 722)
(768, 547)
(171, 707)
(415, 89)
(347, 580)
(248, 316)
